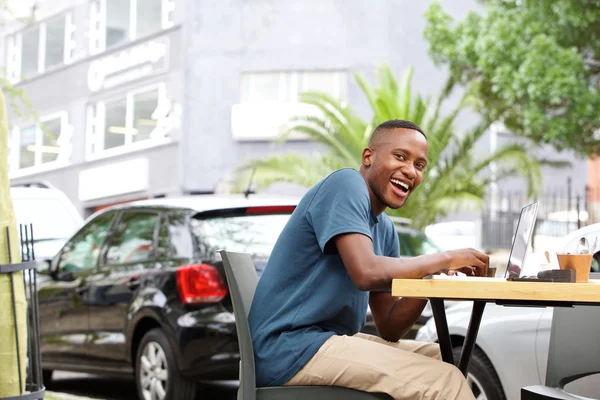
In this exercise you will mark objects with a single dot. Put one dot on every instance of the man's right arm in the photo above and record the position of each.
(371, 272)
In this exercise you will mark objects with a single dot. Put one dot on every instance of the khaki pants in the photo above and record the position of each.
(406, 370)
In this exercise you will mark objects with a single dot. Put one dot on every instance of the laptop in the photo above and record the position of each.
(518, 249)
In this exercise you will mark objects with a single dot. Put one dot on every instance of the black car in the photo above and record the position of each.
(140, 290)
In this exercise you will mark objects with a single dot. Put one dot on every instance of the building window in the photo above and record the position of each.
(332, 83)
(144, 104)
(263, 87)
(55, 42)
(27, 148)
(148, 19)
(114, 22)
(124, 121)
(30, 45)
(50, 133)
(40, 48)
(270, 99)
(118, 21)
(44, 143)
(115, 122)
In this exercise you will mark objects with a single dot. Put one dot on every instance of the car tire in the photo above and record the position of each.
(482, 377)
(160, 374)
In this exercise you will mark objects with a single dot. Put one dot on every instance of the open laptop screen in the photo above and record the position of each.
(521, 240)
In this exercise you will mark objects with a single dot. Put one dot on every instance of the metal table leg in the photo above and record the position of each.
(441, 325)
(467, 350)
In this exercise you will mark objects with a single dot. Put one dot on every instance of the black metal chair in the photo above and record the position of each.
(242, 281)
(574, 352)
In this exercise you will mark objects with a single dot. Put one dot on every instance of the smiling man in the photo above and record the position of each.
(338, 253)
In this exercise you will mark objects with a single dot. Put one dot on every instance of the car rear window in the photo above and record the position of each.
(252, 234)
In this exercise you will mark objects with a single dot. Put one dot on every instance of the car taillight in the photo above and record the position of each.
(200, 284)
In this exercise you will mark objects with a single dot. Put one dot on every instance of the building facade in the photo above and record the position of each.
(150, 98)
(105, 78)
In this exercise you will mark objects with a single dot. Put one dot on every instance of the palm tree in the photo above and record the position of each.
(456, 179)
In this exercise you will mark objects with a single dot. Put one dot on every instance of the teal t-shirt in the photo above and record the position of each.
(305, 294)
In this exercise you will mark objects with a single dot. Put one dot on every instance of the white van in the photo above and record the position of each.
(53, 216)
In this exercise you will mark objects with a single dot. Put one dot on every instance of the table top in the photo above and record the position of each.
(493, 289)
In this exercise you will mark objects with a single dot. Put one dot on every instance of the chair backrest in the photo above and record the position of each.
(574, 350)
(242, 281)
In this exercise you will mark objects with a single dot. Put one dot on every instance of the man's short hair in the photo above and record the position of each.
(392, 124)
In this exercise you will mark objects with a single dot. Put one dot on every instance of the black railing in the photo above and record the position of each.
(560, 212)
(28, 368)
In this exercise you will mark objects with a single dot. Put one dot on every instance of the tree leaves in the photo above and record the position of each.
(533, 65)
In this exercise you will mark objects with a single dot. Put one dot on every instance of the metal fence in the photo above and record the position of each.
(560, 212)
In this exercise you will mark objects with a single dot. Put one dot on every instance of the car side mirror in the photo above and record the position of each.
(44, 267)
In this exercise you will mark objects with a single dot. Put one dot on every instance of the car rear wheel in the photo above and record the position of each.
(481, 376)
(157, 377)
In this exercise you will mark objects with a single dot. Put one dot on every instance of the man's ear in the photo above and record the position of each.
(367, 157)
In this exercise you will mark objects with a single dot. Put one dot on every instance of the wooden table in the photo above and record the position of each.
(490, 290)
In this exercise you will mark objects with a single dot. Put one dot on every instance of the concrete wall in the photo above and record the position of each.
(226, 38)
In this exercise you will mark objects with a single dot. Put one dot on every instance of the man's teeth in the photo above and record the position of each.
(397, 182)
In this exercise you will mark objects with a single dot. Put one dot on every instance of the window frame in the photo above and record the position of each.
(15, 144)
(290, 83)
(254, 120)
(166, 217)
(98, 24)
(96, 119)
(41, 45)
(59, 259)
(102, 258)
(68, 40)
(14, 51)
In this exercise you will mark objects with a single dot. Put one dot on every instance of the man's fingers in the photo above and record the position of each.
(482, 256)
(471, 270)
(476, 261)
(482, 262)
(468, 270)
(481, 266)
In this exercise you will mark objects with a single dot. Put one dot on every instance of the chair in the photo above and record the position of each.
(242, 280)
(574, 352)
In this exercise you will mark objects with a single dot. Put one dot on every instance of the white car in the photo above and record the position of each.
(52, 215)
(512, 345)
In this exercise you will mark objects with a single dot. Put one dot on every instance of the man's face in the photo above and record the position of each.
(395, 164)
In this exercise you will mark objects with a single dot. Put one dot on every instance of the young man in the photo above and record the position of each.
(337, 252)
